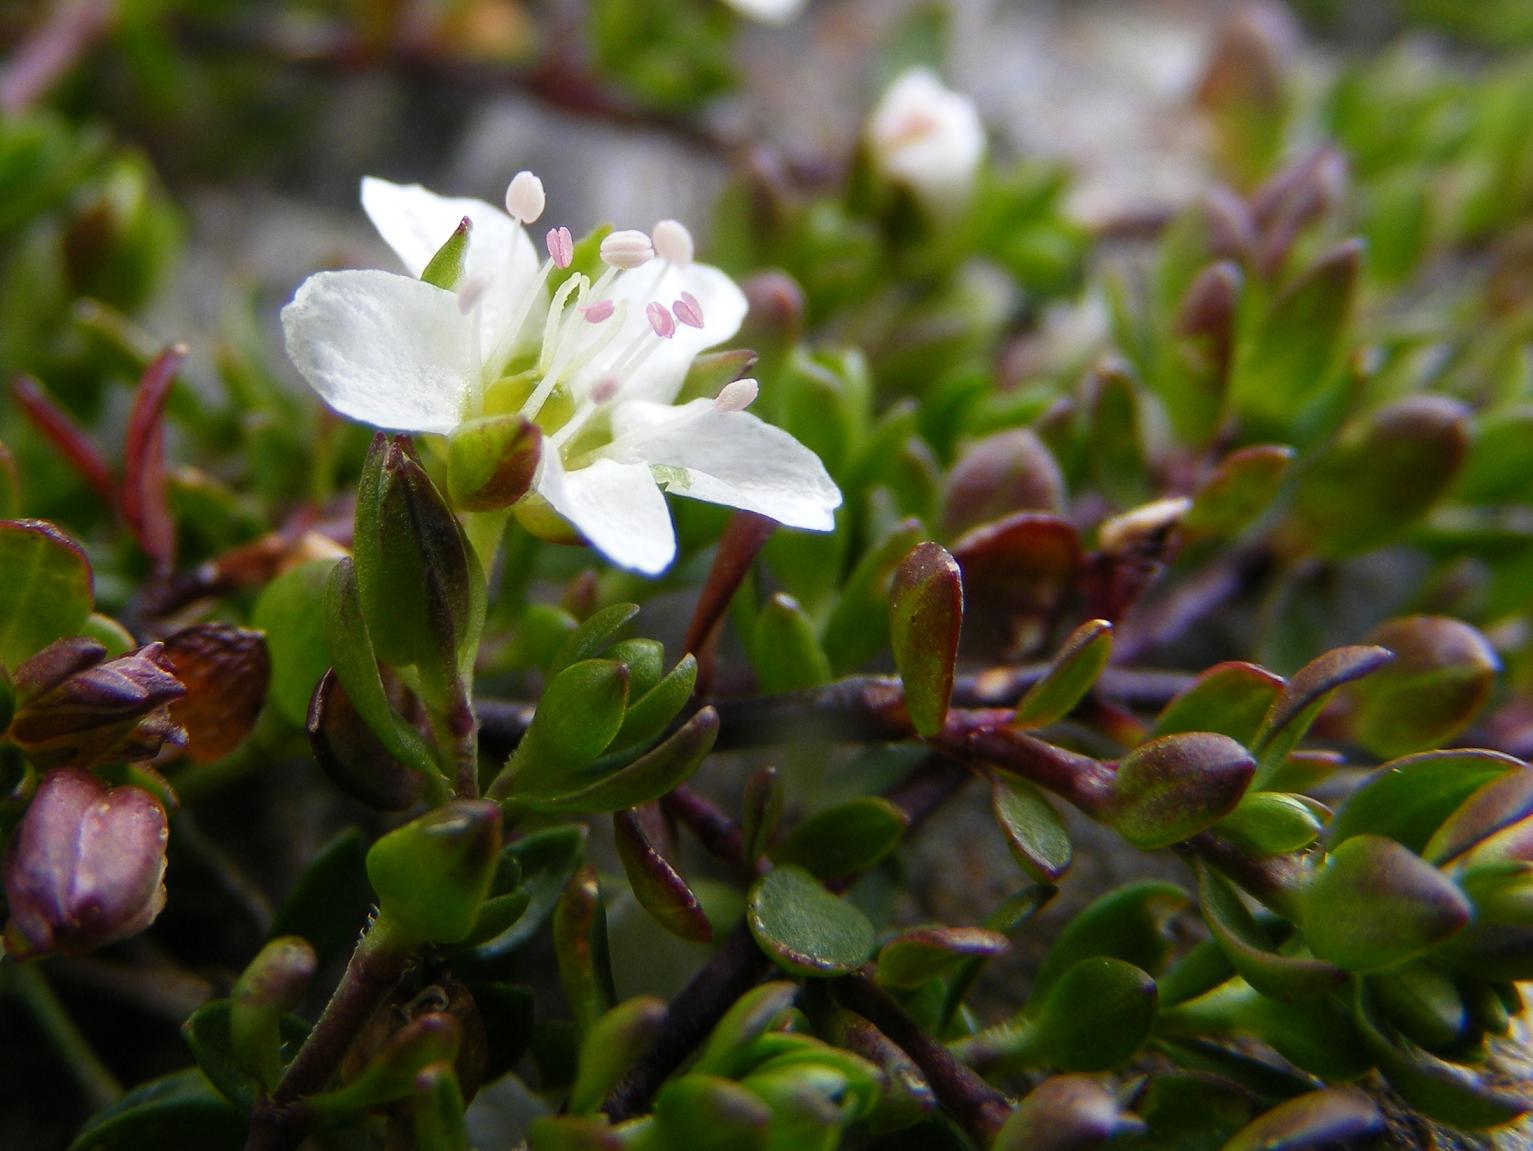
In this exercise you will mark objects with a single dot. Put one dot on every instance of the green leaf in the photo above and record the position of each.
(49, 589)
(1297, 349)
(784, 651)
(761, 811)
(615, 1040)
(547, 859)
(844, 839)
(707, 1113)
(1074, 670)
(1423, 1001)
(1382, 474)
(648, 716)
(1171, 788)
(1095, 1017)
(1065, 1113)
(351, 654)
(1228, 698)
(925, 620)
(760, 1010)
(1408, 799)
(491, 461)
(1313, 1122)
(1185, 1111)
(436, 1111)
(580, 947)
(922, 954)
(805, 929)
(591, 637)
(1034, 830)
(1130, 923)
(656, 884)
(580, 713)
(1496, 815)
(1271, 823)
(1444, 1091)
(1441, 677)
(291, 611)
(1289, 978)
(646, 778)
(1242, 487)
(433, 874)
(207, 1033)
(390, 1074)
(1376, 904)
(179, 1110)
(1303, 697)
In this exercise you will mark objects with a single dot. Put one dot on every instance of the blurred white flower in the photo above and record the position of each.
(597, 366)
(925, 137)
(768, 11)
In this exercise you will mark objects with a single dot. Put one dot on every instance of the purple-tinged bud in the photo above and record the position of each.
(86, 868)
(72, 710)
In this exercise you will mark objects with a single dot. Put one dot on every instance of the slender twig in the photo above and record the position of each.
(978, 1106)
(52, 51)
(858, 709)
(279, 1122)
(715, 830)
(31, 988)
(735, 968)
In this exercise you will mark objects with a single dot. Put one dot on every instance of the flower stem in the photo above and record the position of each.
(279, 1122)
(31, 988)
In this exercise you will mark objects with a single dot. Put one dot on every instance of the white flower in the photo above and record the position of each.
(768, 11)
(597, 366)
(928, 138)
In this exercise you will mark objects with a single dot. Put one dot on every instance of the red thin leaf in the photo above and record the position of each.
(144, 503)
(73, 442)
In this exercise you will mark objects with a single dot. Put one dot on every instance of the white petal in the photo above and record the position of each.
(383, 349)
(768, 11)
(617, 507)
(660, 376)
(416, 222)
(729, 458)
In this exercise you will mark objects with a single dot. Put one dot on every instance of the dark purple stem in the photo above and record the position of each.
(979, 1107)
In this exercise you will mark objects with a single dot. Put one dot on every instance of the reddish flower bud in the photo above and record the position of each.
(86, 867)
(72, 710)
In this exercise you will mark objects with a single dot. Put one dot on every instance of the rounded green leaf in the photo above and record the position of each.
(804, 928)
(1440, 678)
(1270, 823)
(48, 585)
(1408, 799)
(846, 838)
(1375, 904)
(925, 953)
(1229, 698)
(1034, 830)
(1096, 1017)
(1290, 978)
(1173, 787)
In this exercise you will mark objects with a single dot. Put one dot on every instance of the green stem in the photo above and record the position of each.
(485, 531)
(29, 986)
(279, 1122)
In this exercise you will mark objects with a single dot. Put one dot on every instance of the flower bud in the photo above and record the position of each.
(86, 867)
(433, 874)
(225, 670)
(74, 710)
(421, 586)
(927, 138)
